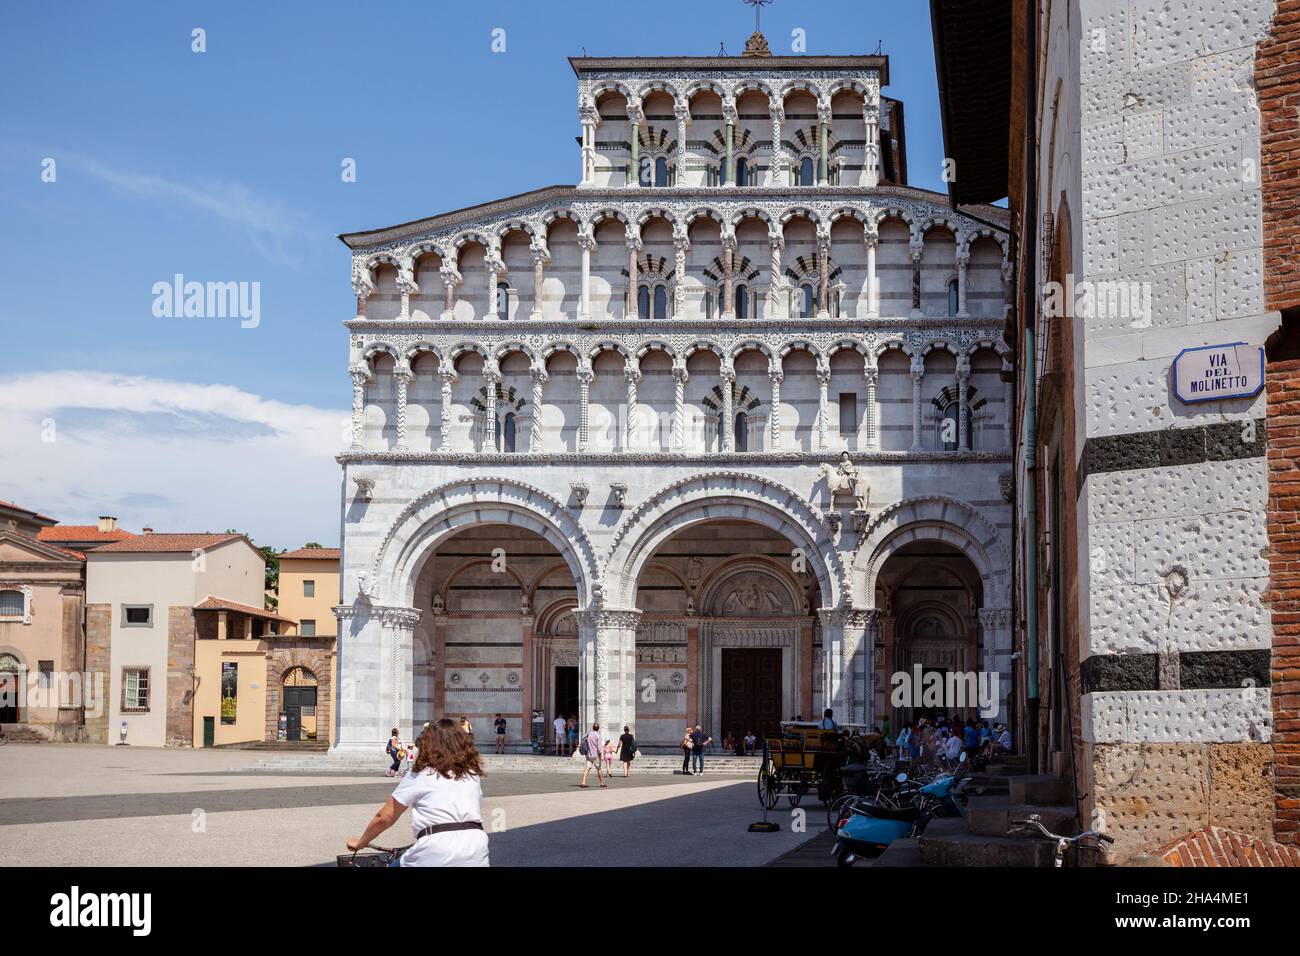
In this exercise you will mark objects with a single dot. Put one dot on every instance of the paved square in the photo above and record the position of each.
(121, 806)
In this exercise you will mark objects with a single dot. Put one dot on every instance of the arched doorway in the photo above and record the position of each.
(928, 594)
(11, 687)
(299, 703)
(727, 638)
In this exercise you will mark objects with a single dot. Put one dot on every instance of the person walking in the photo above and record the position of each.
(627, 750)
(561, 734)
(609, 758)
(688, 744)
(700, 741)
(445, 798)
(394, 751)
(590, 749)
(500, 726)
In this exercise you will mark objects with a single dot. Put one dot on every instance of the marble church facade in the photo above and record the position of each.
(718, 435)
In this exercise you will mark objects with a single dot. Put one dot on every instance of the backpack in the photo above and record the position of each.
(583, 748)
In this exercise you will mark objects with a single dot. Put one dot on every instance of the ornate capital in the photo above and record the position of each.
(680, 374)
(360, 375)
(995, 618)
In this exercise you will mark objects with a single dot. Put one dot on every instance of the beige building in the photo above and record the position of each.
(43, 686)
(158, 607)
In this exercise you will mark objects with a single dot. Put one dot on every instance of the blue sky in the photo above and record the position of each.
(225, 166)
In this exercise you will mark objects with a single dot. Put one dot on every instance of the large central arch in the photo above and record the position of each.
(708, 497)
(443, 511)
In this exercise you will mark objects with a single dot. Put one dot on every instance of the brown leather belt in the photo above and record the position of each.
(447, 827)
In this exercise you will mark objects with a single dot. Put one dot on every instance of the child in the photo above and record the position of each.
(609, 758)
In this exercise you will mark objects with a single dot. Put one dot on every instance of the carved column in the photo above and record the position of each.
(777, 110)
(491, 378)
(729, 114)
(607, 668)
(680, 244)
(776, 242)
(362, 288)
(588, 243)
(680, 377)
(1008, 397)
(447, 375)
(824, 280)
(634, 135)
(539, 265)
(872, 239)
(871, 152)
(823, 404)
(872, 375)
(590, 118)
(963, 260)
(539, 377)
(398, 650)
(402, 377)
(777, 376)
(360, 379)
(633, 247)
(406, 286)
(847, 635)
(918, 373)
(823, 133)
(633, 375)
(682, 113)
(963, 377)
(585, 377)
(728, 261)
(917, 247)
(728, 374)
(494, 267)
(450, 279)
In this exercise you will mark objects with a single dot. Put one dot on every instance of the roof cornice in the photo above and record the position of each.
(738, 64)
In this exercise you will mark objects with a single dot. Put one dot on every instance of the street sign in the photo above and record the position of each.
(1215, 372)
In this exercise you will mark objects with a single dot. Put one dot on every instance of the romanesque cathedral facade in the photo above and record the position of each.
(717, 436)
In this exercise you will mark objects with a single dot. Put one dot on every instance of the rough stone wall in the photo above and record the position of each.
(285, 653)
(180, 682)
(1174, 494)
(99, 635)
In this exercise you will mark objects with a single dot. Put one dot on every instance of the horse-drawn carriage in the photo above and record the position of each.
(802, 758)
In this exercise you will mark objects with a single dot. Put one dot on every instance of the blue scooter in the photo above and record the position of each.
(866, 829)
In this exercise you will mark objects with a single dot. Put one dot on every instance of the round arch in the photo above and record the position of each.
(933, 518)
(716, 495)
(450, 508)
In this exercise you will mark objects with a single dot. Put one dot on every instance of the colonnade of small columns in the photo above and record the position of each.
(363, 376)
(364, 282)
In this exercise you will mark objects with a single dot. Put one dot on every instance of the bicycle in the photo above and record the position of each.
(387, 856)
(1063, 843)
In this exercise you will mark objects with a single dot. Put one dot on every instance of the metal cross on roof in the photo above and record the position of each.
(758, 5)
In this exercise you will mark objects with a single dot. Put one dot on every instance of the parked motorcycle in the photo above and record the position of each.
(865, 829)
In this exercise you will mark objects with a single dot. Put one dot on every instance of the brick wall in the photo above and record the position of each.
(1277, 79)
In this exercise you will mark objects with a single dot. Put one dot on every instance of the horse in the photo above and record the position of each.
(842, 484)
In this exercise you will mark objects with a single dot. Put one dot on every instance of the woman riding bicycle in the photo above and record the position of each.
(445, 797)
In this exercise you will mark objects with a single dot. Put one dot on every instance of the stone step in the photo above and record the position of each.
(35, 734)
(900, 853)
(993, 816)
(989, 783)
(946, 843)
(1040, 789)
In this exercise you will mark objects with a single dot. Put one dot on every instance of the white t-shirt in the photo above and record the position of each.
(953, 747)
(1004, 740)
(433, 799)
(560, 725)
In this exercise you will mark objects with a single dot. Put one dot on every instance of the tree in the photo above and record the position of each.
(313, 544)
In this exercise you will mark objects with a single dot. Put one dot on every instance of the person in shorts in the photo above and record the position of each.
(500, 725)
(593, 755)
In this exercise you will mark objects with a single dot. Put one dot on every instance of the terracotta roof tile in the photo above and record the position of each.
(81, 532)
(211, 603)
(160, 543)
(313, 554)
(1219, 846)
(34, 514)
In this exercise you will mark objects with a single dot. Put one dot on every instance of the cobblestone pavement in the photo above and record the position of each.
(85, 805)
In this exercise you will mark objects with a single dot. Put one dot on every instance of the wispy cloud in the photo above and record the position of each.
(270, 225)
(170, 454)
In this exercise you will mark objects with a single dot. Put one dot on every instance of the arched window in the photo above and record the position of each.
(742, 431)
(808, 309)
(643, 301)
(742, 302)
(806, 171)
(742, 172)
(503, 300)
(708, 304)
(661, 171)
(661, 302)
(952, 297)
(509, 444)
(13, 605)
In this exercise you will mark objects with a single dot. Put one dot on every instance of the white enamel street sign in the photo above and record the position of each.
(1215, 372)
